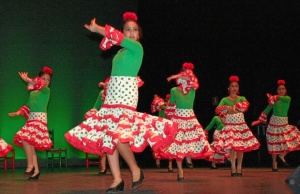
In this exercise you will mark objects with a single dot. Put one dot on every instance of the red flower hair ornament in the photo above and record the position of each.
(168, 96)
(129, 16)
(188, 66)
(233, 78)
(47, 70)
(281, 82)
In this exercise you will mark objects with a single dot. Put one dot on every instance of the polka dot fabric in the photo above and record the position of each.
(118, 121)
(282, 137)
(35, 132)
(235, 135)
(190, 139)
(218, 158)
(4, 148)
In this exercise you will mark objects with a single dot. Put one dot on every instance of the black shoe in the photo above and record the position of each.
(189, 165)
(280, 160)
(138, 183)
(239, 174)
(30, 172)
(34, 178)
(116, 189)
(180, 179)
(102, 173)
(274, 169)
(170, 170)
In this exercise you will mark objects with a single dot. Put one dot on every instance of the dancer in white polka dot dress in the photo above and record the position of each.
(282, 138)
(190, 140)
(117, 128)
(235, 137)
(34, 135)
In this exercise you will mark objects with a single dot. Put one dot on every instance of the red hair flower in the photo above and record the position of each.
(233, 78)
(281, 82)
(168, 96)
(47, 70)
(129, 16)
(188, 66)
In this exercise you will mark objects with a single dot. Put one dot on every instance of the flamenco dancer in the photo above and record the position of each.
(117, 128)
(282, 138)
(34, 135)
(216, 157)
(235, 137)
(190, 140)
(160, 105)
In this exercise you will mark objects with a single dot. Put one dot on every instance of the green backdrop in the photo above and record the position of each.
(38, 33)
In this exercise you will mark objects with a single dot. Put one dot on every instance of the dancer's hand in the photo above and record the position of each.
(255, 123)
(14, 114)
(24, 76)
(92, 26)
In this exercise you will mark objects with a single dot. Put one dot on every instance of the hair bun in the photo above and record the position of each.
(188, 66)
(47, 70)
(281, 82)
(233, 78)
(129, 15)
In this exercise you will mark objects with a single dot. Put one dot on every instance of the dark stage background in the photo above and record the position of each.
(256, 40)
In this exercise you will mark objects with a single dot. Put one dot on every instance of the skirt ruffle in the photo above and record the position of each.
(235, 135)
(113, 124)
(35, 132)
(282, 137)
(190, 139)
(5, 148)
(218, 158)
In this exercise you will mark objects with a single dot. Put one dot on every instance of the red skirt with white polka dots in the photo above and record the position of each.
(4, 148)
(282, 137)
(35, 132)
(235, 135)
(117, 121)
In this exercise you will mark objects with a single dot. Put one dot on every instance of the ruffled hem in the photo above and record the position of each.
(35, 133)
(4, 151)
(104, 130)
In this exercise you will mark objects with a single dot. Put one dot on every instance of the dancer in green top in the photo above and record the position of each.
(235, 137)
(117, 127)
(190, 140)
(34, 135)
(281, 137)
(217, 158)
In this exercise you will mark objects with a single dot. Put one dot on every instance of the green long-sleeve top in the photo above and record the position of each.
(227, 101)
(281, 107)
(182, 101)
(38, 100)
(98, 102)
(127, 61)
(216, 121)
(161, 113)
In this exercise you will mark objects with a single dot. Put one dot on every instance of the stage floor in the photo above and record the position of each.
(197, 180)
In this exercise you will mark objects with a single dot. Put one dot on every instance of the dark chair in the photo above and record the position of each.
(8, 160)
(56, 156)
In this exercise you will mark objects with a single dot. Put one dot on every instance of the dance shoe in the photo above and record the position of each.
(34, 178)
(102, 173)
(280, 160)
(138, 183)
(30, 172)
(116, 189)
